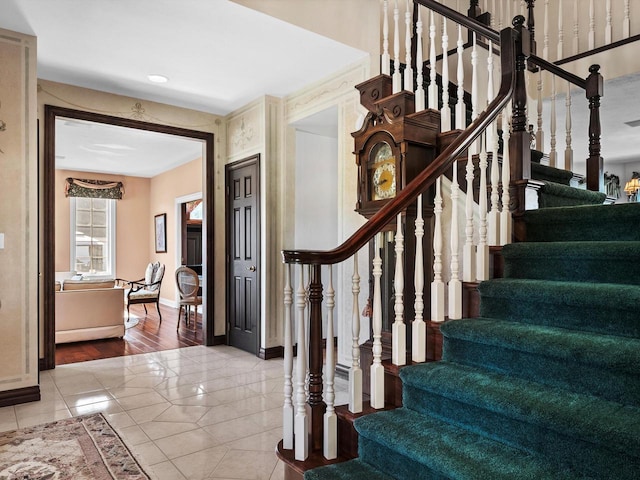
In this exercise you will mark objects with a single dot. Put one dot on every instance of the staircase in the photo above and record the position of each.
(541, 382)
(544, 384)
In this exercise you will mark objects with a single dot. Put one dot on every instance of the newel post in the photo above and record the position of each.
(594, 90)
(316, 404)
(520, 140)
(531, 26)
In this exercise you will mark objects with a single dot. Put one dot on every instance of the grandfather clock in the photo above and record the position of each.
(392, 147)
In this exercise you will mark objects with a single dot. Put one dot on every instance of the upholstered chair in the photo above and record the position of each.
(145, 290)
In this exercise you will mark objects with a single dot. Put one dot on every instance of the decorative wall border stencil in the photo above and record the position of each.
(243, 136)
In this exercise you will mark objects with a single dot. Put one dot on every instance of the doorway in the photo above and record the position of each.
(243, 253)
(48, 214)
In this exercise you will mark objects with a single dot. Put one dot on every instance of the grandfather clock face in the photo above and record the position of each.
(381, 169)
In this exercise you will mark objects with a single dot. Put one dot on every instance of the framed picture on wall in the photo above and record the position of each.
(161, 233)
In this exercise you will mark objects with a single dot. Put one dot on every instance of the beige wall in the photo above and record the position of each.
(165, 188)
(132, 219)
(18, 213)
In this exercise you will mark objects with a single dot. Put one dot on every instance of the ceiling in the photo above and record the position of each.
(218, 55)
(97, 147)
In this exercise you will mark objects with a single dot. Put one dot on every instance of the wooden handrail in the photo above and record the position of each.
(427, 177)
(558, 71)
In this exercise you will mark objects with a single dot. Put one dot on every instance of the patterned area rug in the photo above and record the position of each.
(79, 448)
(132, 322)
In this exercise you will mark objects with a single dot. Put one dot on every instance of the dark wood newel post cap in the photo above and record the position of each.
(518, 21)
(595, 82)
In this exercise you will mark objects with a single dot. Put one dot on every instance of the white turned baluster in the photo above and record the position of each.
(469, 252)
(433, 86)
(418, 327)
(507, 14)
(501, 17)
(560, 33)
(420, 100)
(408, 70)
(397, 77)
(539, 132)
(460, 107)
(300, 421)
(545, 55)
(576, 28)
(607, 28)
(474, 79)
(545, 49)
(377, 370)
(455, 285)
(505, 214)
(355, 372)
(330, 437)
(552, 125)
(445, 113)
(287, 409)
(482, 253)
(437, 286)
(492, 146)
(626, 21)
(399, 329)
(386, 58)
(494, 14)
(568, 152)
(592, 26)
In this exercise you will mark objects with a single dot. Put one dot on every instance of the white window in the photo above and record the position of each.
(93, 236)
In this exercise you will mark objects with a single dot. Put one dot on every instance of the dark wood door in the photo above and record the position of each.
(243, 255)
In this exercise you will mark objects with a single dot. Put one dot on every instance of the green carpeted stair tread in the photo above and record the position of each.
(605, 351)
(534, 406)
(550, 174)
(584, 223)
(414, 445)
(350, 470)
(583, 362)
(587, 261)
(553, 194)
(605, 308)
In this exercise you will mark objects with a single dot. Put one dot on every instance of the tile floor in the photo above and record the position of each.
(193, 413)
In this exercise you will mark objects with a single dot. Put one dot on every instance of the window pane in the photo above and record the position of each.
(92, 235)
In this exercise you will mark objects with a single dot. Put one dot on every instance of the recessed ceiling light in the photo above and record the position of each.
(155, 78)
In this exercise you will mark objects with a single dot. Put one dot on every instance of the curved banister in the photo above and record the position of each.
(428, 176)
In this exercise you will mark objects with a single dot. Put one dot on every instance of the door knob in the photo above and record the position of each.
(252, 268)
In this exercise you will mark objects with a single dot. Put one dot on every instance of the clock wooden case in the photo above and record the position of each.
(393, 145)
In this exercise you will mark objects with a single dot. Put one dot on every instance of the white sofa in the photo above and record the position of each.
(88, 310)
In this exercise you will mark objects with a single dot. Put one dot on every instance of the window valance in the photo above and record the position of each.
(77, 187)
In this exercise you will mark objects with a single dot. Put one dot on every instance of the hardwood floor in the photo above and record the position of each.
(148, 336)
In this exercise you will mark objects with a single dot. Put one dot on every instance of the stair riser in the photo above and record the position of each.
(609, 321)
(617, 386)
(567, 451)
(394, 463)
(578, 232)
(573, 269)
